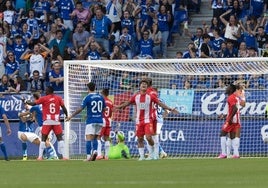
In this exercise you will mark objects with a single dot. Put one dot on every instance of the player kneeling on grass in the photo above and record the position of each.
(26, 133)
(120, 150)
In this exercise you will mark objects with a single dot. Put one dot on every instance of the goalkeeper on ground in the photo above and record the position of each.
(120, 150)
(266, 111)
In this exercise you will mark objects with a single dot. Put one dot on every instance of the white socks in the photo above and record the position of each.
(223, 145)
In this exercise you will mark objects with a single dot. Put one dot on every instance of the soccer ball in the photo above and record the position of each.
(265, 137)
(264, 133)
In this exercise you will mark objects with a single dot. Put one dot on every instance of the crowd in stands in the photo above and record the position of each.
(36, 36)
(238, 28)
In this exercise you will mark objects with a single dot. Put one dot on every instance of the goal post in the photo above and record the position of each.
(194, 132)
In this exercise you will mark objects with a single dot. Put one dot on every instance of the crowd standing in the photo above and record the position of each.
(39, 35)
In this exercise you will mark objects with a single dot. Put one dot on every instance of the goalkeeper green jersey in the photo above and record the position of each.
(115, 151)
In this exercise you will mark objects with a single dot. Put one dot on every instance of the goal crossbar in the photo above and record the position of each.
(204, 66)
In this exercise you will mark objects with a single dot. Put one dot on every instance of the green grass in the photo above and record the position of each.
(197, 173)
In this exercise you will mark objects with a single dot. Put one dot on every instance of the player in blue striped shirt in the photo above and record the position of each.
(95, 104)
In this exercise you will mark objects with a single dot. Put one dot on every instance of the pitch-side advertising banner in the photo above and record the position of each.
(197, 132)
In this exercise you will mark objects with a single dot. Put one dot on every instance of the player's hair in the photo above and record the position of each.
(233, 87)
(105, 91)
(91, 86)
(50, 90)
(36, 95)
(144, 80)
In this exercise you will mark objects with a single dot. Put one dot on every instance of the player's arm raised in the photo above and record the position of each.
(165, 107)
(123, 105)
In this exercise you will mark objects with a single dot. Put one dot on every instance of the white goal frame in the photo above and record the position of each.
(210, 66)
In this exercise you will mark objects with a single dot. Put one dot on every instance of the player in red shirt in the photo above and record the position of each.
(106, 129)
(232, 125)
(144, 120)
(51, 105)
(152, 91)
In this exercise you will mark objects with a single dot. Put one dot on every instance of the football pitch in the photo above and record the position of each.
(197, 173)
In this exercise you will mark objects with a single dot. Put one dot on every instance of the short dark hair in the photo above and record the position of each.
(36, 71)
(105, 92)
(91, 86)
(144, 80)
(50, 90)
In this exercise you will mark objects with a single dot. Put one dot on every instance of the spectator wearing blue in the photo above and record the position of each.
(146, 44)
(33, 26)
(216, 42)
(256, 81)
(25, 33)
(18, 46)
(100, 29)
(147, 13)
(41, 6)
(65, 8)
(44, 23)
(197, 37)
(257, 7)
(191, 51)
(128, 22)
(56, 77)
(163, 21)
(11, 66)
(203, 82)
(20, 4)
(92, 49)
(230, 50)
(249, 30)
(125, 41)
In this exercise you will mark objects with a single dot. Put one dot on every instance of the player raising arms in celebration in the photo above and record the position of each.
(106, 129)
(95, 107)
(232, 125)
(144, 107)
(51, 105)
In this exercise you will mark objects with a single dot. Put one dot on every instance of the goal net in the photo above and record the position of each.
(196, 87)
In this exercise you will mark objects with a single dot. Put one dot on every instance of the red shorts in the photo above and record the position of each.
(57, 129)
(144, 129)
(105, 131)
(231, 128)
(154, 126)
